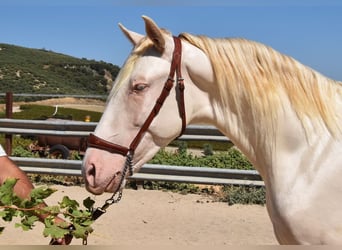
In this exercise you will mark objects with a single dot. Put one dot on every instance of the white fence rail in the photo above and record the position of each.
(77, 128)
(201, 175)
(152, 172)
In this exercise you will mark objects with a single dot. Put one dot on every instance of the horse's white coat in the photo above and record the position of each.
(301, 166)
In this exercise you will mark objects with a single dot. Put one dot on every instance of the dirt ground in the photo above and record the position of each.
(157, 218)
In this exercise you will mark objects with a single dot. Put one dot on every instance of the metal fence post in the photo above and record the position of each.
(9, 113)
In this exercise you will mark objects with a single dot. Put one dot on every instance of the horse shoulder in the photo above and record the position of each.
(304, 202)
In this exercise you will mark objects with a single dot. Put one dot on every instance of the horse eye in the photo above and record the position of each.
(139, 87)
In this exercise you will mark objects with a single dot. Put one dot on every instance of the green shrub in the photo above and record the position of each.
(20, 151)
(199, 144)
(244, 195)
(182, 188)
(232, 159)
(182, 148)
(19, 141)
(208, 149)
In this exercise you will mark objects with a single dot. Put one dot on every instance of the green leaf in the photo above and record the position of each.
(76, 213)
(53, 210)
(81, 232)
(8, 214)
(55, 231)
(41, 193)
(27, 222)
(6, 191)
(87, 222)
(8, 184)
(68, 203)
(88, 203)
(3, 213)
(29, 209)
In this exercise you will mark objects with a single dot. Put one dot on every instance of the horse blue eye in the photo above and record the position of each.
(139, 87)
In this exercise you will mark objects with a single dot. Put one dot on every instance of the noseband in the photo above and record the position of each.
(99, 143)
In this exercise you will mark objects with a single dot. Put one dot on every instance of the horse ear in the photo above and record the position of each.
(132, 36)
(154, 33)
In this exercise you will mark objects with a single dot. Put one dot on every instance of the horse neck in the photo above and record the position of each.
(258, 119)
(257, 146)
(207, 108)
(257, 137)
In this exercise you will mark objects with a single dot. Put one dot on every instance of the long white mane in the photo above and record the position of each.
(251, 73)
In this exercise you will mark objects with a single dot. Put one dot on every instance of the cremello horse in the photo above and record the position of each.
(285, 117)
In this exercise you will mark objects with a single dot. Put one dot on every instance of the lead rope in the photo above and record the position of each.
(117, 195)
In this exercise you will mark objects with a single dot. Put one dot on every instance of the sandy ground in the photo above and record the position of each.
(150, 218)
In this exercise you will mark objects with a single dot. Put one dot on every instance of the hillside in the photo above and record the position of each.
(24, 70)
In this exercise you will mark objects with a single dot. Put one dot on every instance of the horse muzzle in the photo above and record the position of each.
(102, 171)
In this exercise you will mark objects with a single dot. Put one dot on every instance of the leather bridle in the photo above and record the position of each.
(99, 143)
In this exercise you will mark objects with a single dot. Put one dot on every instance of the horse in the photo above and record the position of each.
(284, 116)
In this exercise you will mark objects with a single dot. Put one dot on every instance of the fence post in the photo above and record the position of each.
(9, 112)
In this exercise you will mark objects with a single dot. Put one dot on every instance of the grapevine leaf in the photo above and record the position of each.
(77, 213)
(81, 231)
(88, 203)
(29, 210)
(67, 202)
(8, 214)
(54, 231)
(6, 191)
(41, 193)
(52, 210)
(64, 225)
(27, 222)
(87, 222)
(26, 203)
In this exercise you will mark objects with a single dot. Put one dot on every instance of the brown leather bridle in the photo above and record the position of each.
(99, 143)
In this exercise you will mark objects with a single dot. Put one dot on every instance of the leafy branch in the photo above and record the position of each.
(78, 221)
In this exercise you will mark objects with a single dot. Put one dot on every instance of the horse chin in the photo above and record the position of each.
(113, 186)
(95, 190)
(110, 187)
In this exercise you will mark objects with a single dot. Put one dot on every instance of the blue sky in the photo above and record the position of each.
(308, 30)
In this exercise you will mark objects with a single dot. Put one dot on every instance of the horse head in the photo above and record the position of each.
(143, 111)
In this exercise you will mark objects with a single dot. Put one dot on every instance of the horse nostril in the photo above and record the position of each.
(92, 170)
(90, 174)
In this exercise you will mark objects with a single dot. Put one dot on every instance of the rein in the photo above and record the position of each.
(99, 143)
